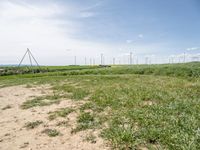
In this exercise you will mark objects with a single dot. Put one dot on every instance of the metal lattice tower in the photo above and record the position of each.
(31, 58)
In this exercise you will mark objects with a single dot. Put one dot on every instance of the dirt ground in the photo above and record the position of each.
(14, 136)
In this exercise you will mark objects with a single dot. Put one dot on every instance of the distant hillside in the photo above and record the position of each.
(177, 70)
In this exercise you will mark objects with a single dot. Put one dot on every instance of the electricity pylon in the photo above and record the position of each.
(31, 58)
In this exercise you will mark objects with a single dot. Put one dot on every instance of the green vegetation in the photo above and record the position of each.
(29, 70)
(143, 106)
(41, 101)
(177, 70)
(85, 121)
(79, 94)
(90, 138)
(32, 125)
(63, 112)
(51, 132)
(60, 92)
(63, 123)
(74, 91)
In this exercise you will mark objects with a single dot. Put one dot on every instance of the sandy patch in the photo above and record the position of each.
(14, 135)
(148, 103)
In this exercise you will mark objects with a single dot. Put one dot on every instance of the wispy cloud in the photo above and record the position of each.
(43, 29)
(193, 48)
(90, 11)
(49, 28)
(14, 10)
(129, 41)
(87, 14)
(140, 36)
(94, 6)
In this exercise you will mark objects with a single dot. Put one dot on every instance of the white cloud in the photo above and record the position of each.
(87, 14)
(49, 29)
(13, 11)
(150, 56)
(193, 48)
(44, 31)
(182, 55)
(194, 55)
(93, 6)
(129, 41)
(89, 11)
(140, 36)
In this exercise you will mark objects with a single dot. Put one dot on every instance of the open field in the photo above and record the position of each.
(119, 107)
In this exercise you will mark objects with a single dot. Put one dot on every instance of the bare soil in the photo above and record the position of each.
(14, 135)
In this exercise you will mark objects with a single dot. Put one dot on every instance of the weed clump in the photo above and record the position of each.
(63, 112)
(41, 101)
(51, 132)
(32, 125)
(90, 138)
(85, 121)
(63, 123)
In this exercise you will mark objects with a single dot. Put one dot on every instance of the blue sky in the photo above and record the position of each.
(56, 30)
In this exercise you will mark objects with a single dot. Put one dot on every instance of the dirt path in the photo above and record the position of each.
(14, 135)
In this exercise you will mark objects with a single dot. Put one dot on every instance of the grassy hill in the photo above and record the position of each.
(134, 107)
(176, 70)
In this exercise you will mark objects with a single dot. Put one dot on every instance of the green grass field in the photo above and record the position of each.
(138, 106)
